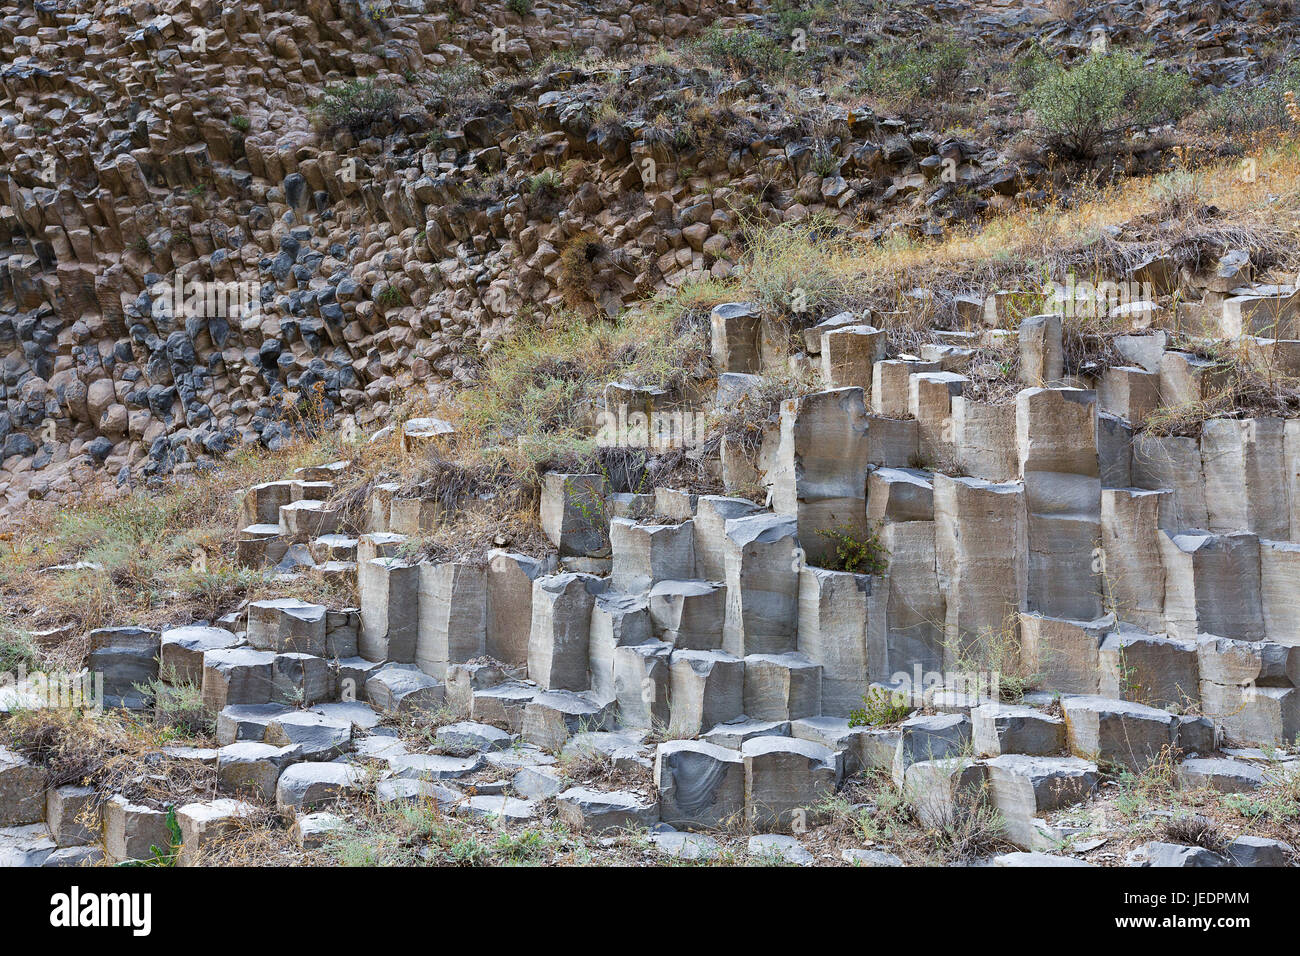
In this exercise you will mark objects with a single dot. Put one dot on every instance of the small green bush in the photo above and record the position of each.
(915, 70)
(357, 104)
(1254, 108)
(859, 554)
(745, 50)
(880, 708)
(548, 180)
(520, 7)
(17, 649)
(1083, 107)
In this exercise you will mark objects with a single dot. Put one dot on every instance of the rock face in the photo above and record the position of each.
(192, 264)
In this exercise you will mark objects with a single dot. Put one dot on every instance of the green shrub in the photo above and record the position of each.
(356, 104)
(859, 554)
(1083, 107)
(1254, 108)
(915, 70)
(548, 180)
(745, 50)
(241, 123)
(17, 649)
(880, 708)
(520, 7)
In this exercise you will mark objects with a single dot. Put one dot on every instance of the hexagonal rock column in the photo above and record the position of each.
(1245, 467)
(558, 636)
(573, 512)
(552, 717)
(390, 609)
(646, 553)
(785, 779)
(126, 656)
(849, 355)
(1116, 731)
(1065, 655)
(706, 688)
(929, 401)
(833, 610)
(1133, 570)
(782, 687)
(1057, 436)
(22, 790)
(1279, 570)
(891, 385)
(287, 624)
(1212, 585)
(132, 830)
(821, 475)
(998, 728)
(597, 811)
(237, 675)
(617, 620)
(906, 608)
(701, 787)
(1042, 352)
(980, 546)
(762, 585)
(1173, 462)
(984, 439)
(452, 616)
(182, 650)
(736, 337)
(205, 823)
(712, 512)
(404, 688)
(641, 679)
(1152, 669)
(690, 615)
(510, 580)
(1023, 787)
(1250, 687)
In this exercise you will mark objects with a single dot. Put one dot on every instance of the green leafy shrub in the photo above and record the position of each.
(548, 180)
(1083, 107)
(1260, 106)
(520, 7)
(744, 50)
(357, 104)
(914, 69)
(880, 708)
(860, 554)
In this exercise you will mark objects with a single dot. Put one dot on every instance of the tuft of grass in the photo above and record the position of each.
(969, 827)
(998, 652)
(796, 270)
(1191, 829)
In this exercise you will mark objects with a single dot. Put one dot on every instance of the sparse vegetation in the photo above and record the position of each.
(880, 707)
(856, 552)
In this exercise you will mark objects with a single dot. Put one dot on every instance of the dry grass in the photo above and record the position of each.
(116, 753)
(968, 830)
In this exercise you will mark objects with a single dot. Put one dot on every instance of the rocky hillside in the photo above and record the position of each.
(217, 221)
